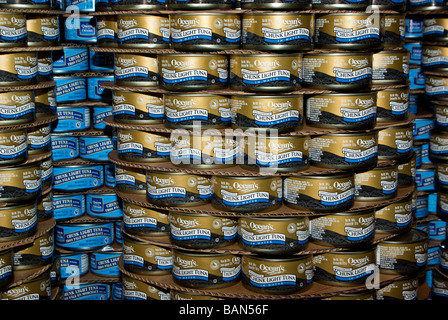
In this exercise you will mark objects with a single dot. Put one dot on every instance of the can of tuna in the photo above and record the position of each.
(143, 31)
(349, 30)
(104, 206)
(68, 206)
(86, 291)
(118, 232)
(18, 68)
(418, 152)
(406, 289)
(138, 290)
(70, 60)
(138, 220)
(436, 87)
(138, 107)
(423, 128)
(106, 31)
(70, 89)
(177, 188)
(407, 171)
(396, 217)
(346, 268)
(292, 274)
(17, 107)
(441, 176)
(202, 231)
(276, 4)
(38, 139)
(109, 175)
(356, 111)
(395, 142)
(425, 152)
(105, 264)
(130, 180)
(44, 65)
(83, 236)
(338, 71)
(394, 30)
(144, 258)
(415, 52)
(138, 4)
(390, 67)
(404, 254)
(64, 146)
(439, 284)
(101, 61)
(267, 112)
(36, 288)
(209, 149)
(72, 119)
(392, 104)
(417, 78)
(205, 270)
(96, 92)
(429, 5)
(413, 27)
(440, 117)
(73, 264)
(143, 146)
(99, 113)
(83, 5)
(415, 99)
(273, 236)
(95, 148)
(345, 151)
(442, 204)
(437, 230)
(268, 72)
(425, 179)
(435, 28)
(18, 221)
(13, 147)
(136, 69)
(184, 110)
(46, 167)
(279, 153)
(45, 207)
(45, 101)
(192, 72)
(376, 184)
(246, 194)
(80, 30)
(277, 31)
(76, 178)
(42, 30)
(37, 254)
(20, 183)
(435, 58)
(438, 146)
(13, 29)
(320, 193)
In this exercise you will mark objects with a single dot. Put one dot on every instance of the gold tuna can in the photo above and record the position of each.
(18, 68)
(17, 107)
(405, 289)
(136, 69)
(439, 285)
(208, 149)
(130, 180)
(407, 171)
(351, 31)
(396, 217)
(13, 147)
(276, 4)
(345, 151)
(42, 30)
(106, 30)
(436, 87)
(136, 145)
(137, 107)
(438, 146)
(144, 258)
(6, 268)
(134, 289)
(39, 139)
(267, 112)
(205, 31)
(278, 153)
(143, 31)
(192, 72)
(279, 275)
(379, 183)
(177, 188)
(405, 254)
(138, 220)
(356, 111)
(273, 236)
(20, 183)
(188, 110)
(320, 193)
(18, 221)
(338, 71)
(392, 104)
(344, 229)
(37, 254)
(435, 28)
(267, 72)
(246, 194)
(390, 67)
(434, 58)
(13, 29)
(205, 270)
(272, 31)
(394, 30)
(395, 143)
(346, 268)
(202, 231)
(37, 288)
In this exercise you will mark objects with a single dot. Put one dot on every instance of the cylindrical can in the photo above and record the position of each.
(96, 92)
(37, 254)
(18, 68)
(425, 179)
(77, 178)
(143, 31)
(184, 110)
(413, 27)
(355, 111)
(42, 30)
(17, 107)
(84, 32)
(86, 291)
(394, 30)
(436, 87)
(415, 52)
(99, 113)
(417, 79)
(136, 69)
(106, 30)
(345, 268)
(138, 220)
(438, 146)
(435, 58)
(36, 288)
(205, 31)
(320, 193)
(13, 29)
(145, 258)
(345, 151)
(205, 270)
(137, 107)
(292, 274)
(392, 104)
(83, 237)
(202, 231)
(439, 285)
(45, 207)
(440, 117)
(192, 72)
(18, 221)
(109, 175)
(130, 180)
(390, 67)
(95, 148)
(177, 188)
(276, 4)
(44, 65)
(346, 230)
(396, 217)
(73, 264)
(435, 28)
(134, 289)
(104, 206)
(441, 176)
(423, 128)
(377, 184)
(101, 61)
(405, 289)
(143, 146)
(20, 183)
(407, 171)
(275, 31)
(267, 112)
(38, 139)
(70, 89)
(404, 254)
(273, 236)
(105, 264)
(246, 194)
(71, 60)
(13, 147)
(68, 206)
(268, 72)
(84, 6)
(338, 71)
(72, 119)
(395, 142)
(64, 146)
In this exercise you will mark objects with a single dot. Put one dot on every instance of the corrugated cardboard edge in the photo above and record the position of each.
(23, 87)
(31, 49)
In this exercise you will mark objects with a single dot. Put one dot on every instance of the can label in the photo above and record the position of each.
(16, 67)
(376, 183)
(73, 264)
(70, 89)
(105, 264)
(130, 179)
(72, 119)
(16, 106)
(44, 29)
(106, 29)
(131, 67)
(391, 66)
(137, 106)
(20, 183)
(394, 29)
(39, 138)
(64, 147)
(85, 33)
(95, 91)
(143, 145)
(137, 259)
(19, 220)
(436, 86)
(13, 28)
(394, 217)
(78, 178)
(71, 60)
(395, 142)
(148, 29)
(103, 206)
(84, 236)
(392, 103)
(95, 148)
(139, 219)
(415, 50)
(434, 57)
(438, 144)
(435, 27)
(422, 129)
(68, 206)
(99, 114)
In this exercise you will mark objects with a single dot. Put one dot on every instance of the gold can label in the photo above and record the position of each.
(39, 138)
(407, 171)
(42, 249)
(141, 145)
(45, 207)
(436, 86)
(43, 29)
(13, 146)
(13, 28)
(18, 67)
(6, 265)
(390, 66)
(377, 183)
(106, 29)
(36, 289)
(137, 106)
(392, 104)
(394, 217)
(400, 289)
(395, 142)
(17, 106)
(146, 258)
(130, 180)
(438, 145)
(441, 116)
(21, 221)
(45, 101)
(134, 289)
(20, 183)
(150, 29)
(394, 29)
(434, 57)
(435, 27)
(141, 220)
(133, 67)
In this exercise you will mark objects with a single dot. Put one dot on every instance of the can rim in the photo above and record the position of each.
(423, 237)
(278, 259)
(16, 206)
(202, 254)
(27, 166)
